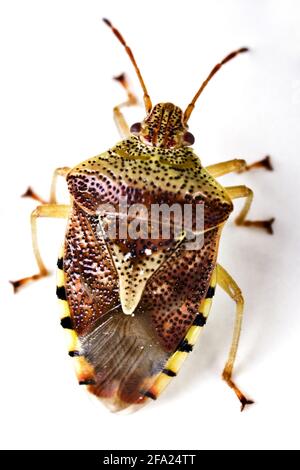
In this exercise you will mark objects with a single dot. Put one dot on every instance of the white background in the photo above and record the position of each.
(57, 59)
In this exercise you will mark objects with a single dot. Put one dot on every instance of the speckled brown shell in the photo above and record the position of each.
(105, 278)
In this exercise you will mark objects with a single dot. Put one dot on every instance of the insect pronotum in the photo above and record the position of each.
(135, 285)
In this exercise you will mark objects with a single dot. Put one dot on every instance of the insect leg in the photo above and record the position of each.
(32, 194)
(243, 191)
(47, 210)
(238, 165)
(131, 101)
(231, 288)
(58, 172)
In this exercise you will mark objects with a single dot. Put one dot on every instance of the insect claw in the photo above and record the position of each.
(120, 78)
(262, 224)
(268, 225)
(16, 285)
(27, 193)
(244, 401)
(267, 164)
(106, 21)
(31, 194)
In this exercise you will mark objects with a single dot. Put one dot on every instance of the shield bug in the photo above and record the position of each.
(134, 296)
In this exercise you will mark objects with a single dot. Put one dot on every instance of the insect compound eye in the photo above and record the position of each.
(136, 128)
(188, 138)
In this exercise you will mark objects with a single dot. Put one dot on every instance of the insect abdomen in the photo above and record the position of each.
(175, 362)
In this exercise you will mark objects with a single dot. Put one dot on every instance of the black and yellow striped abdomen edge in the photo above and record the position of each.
(84, 370)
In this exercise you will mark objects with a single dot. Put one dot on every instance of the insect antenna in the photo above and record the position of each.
(147, 100)
(217, 67)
